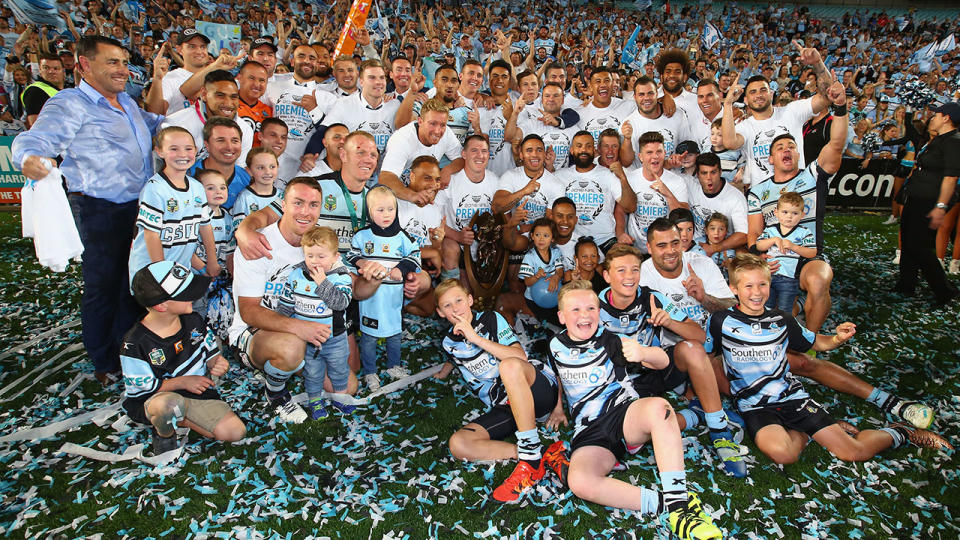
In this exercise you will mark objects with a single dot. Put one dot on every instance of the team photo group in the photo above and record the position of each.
(608, 224)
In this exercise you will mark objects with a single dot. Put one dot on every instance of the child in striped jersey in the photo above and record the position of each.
(717, 228)
(319, 289)
(262, 165)
(217, 304)
(543, 262)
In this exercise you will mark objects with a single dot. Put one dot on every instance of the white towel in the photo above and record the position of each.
(47, 218)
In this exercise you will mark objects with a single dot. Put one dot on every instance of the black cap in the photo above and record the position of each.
(166, 280)
(191, 33)
(689, 147)
(950, 109)
(264, 41)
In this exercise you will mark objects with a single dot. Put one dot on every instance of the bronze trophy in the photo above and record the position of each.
(486, 272)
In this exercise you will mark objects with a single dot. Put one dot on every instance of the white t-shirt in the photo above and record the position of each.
(595, 120)
(536, 204)
(171, 90)
(356, 113)
(729, 201)
(189, 119)
(673, 129)
(464, 198)
(404, 146)
(713, 285)
(699, 126)
(759, 134)
(282, 97)
(417, 221)
(262, 278)
(493, 125)
(650, 204)
(553, 137)
(594, 193)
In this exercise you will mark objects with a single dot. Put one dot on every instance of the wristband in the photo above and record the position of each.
(837, 340)
(838, 110)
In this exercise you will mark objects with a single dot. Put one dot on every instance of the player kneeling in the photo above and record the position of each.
(591, 364)
(517, 391)
(779, 414)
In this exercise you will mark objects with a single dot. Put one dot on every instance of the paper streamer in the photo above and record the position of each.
(19, 348)
(396, 385)
(65, 363)
(96, 416)
(134, 452)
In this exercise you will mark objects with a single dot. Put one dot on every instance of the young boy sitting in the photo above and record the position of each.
(590, 362)
(516, 390)
(319, 289)
(169, 359)
(779, 414)
(787, 242)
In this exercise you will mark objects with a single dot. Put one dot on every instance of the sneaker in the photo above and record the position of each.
(555, 458)
(520, 480)
(398, 372)
(891, 220)
(729, 452)
(691, 523)
(896, 258)
(954, 267)
(343, 407)
(316, 409)
(286, 410)
(917, 414)
(372, 382)
(162, 445)
(923, 438)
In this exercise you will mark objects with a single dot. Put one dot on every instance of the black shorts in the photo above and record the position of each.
(804, 415)
(351, 317)
(803, 262)
(605, 432)
(499, 421)
(605, 247)
(655, 383)
(515, 257)
(543, 314)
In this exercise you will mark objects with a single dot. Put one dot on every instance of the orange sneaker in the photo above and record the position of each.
(520, 480)
(555, 458)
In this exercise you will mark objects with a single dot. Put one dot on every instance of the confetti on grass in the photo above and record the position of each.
(386, 472)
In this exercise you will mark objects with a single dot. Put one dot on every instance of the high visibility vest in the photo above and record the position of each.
(50, 90)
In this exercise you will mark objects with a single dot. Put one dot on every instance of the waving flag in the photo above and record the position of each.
(208, 6)
(630, 51)
(948, 44)
(641, 5)
(925, 53)
(356, 19)
(38, 12)
(711, 35)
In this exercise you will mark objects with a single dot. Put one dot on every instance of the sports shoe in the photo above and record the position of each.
(286, 410)
(398, 372)
(729, 452)
(923, 438)
(691, 523)
(896, 258)
(520, 480)
(372, 382)
(555, 458)
(917, 414)
(162, 445)
(954, 267)
(891, 220)
(344, 408)
(316, 409)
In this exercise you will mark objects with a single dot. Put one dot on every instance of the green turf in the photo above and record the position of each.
(385, 471)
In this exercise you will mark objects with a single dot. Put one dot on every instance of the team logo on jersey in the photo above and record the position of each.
(254, 207)
(368, 248)
(198, 201)
(306, 288)
(624, 320)
(157, 357)
(765, 195)
(385, 248)
(574, 353)
(330, 203)
(476, 198)
(774, 326)
(172, 205)
(756, 329)
(648, 196)
(178, 347)
(195, 337)
(676, 297)
(783, 189)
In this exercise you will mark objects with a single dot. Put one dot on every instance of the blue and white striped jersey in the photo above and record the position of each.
(632, 321)
(593, 375)
(148, 359)
(480, 369)
(809, 183)
(532, 263)
(249, 201)
(173, 213)
(303, 299)
(754, 353)
(223, 235)
(391, 247)
(788, 259)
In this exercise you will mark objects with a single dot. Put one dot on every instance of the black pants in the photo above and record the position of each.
(919, 249)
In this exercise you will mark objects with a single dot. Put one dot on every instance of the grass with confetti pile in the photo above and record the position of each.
(385, 472)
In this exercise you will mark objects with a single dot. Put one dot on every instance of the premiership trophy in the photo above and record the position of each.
(486, 271)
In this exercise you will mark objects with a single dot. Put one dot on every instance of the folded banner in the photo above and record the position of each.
(356, 20)
(38, 12)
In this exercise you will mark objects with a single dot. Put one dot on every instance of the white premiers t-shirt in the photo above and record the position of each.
(418, 220)
(537, 203)
(650, 204)
(673, 289)
(729, 201)
(404, 146)
(595, 119)
(759, 134)
(463, 198)
(594, 193)
(262, 278)
(673, 129)
(171, 90)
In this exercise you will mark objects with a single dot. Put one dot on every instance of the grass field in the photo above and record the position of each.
(386, 472)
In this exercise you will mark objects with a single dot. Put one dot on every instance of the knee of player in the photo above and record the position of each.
(580, 484)
(511, 368)
(165, 403)
(459, 445)
(782, 456)
(230, 429)
(692, 354)
(851, 451)
(819, 281)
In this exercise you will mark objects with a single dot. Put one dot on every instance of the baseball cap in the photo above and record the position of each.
(950, 109)
(687, 147)
(264, 41)
(191, 33)
(166, 280)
